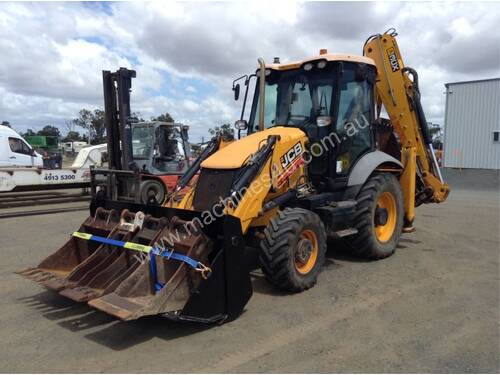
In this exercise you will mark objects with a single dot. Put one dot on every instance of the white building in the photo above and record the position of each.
(472, 124)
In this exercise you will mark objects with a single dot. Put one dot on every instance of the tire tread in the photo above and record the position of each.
(279, 236)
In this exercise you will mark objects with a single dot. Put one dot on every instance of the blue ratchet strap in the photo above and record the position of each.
(107, 241)
(148, 249)
(152, 268)
(176, 256)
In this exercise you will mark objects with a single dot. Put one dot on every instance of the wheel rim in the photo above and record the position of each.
(307, 252)
(385, 231)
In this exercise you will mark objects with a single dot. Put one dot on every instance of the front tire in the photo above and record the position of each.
(378, 218)
(152, 192)
(293, 249)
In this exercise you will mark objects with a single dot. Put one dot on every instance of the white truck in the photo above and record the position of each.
(21, 167)
(74, 147)
(15, 151)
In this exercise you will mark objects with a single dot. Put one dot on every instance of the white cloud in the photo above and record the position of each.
(53, 53)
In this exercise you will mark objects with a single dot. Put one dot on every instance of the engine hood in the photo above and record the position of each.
(236, 153)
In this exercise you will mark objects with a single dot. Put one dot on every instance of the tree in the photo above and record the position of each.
(195, 149)
(70, 125)
(138, 116)
(226, 130)
(436, 134)
(72, 136)
(49, 130)
(28, 133)
(93, 121)
(165, 117)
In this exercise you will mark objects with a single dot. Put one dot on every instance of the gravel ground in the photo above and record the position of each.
(432, 307)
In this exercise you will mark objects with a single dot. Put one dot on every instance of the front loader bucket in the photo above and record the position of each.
(157, 261)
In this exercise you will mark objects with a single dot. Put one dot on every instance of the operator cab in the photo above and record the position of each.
(329, 97)
(160, 148)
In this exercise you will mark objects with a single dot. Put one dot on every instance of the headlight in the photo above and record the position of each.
(266, 72)
(308, 66)
(322, 121)
(321, 64)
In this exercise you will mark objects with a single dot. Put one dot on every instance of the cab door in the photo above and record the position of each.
(4, 152)
(20, 153)
(354, 119)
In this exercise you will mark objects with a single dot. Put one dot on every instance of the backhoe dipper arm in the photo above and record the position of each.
(397, 89)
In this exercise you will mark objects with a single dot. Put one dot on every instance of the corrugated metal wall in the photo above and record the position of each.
(472, 115)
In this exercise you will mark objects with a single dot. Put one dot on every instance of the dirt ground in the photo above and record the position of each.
(432, 307)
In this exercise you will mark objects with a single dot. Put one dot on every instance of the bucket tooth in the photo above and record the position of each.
(117, 306)
(80, 294)
(28, 272)
(42, 277)
(56, 283)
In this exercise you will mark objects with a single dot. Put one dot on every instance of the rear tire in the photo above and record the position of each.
(378, 218)
(293, 250)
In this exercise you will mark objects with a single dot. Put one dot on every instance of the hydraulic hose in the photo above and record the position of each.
(254, 166)
(422, 121)
(418, 106)
(278, 201)
(212, 146)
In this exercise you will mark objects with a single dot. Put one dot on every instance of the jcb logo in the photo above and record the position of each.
(291, 155)
(393, 59)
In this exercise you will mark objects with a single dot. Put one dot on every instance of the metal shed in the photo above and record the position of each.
(472, 124)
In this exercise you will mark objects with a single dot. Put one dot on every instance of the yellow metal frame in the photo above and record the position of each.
(393, 86)
(265, 186)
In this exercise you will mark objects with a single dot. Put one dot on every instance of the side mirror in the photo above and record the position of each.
(236, 90)
(241, 124)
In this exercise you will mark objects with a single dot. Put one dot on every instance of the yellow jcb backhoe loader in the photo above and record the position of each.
(317, 162)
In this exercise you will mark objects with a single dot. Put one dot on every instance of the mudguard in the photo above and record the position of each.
(365, 166)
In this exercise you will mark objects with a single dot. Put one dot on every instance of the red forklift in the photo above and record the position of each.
(145, 159)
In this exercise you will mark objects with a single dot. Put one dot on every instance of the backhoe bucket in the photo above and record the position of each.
(153, 260)
(107, 267)
(54, 269)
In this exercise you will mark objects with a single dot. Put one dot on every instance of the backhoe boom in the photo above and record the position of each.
(398, 91)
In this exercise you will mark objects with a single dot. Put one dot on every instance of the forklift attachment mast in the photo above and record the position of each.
(117, 118)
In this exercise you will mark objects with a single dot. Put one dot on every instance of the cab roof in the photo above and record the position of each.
(324, 55)
(161, 123)
(5, 130)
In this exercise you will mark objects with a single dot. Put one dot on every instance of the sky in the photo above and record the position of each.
(187, 54)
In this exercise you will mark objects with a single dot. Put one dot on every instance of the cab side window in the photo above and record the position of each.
(271, 95)
(18, 146)
(301, 102)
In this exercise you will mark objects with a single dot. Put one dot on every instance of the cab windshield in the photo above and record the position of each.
(296, 97)
(142, 142)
